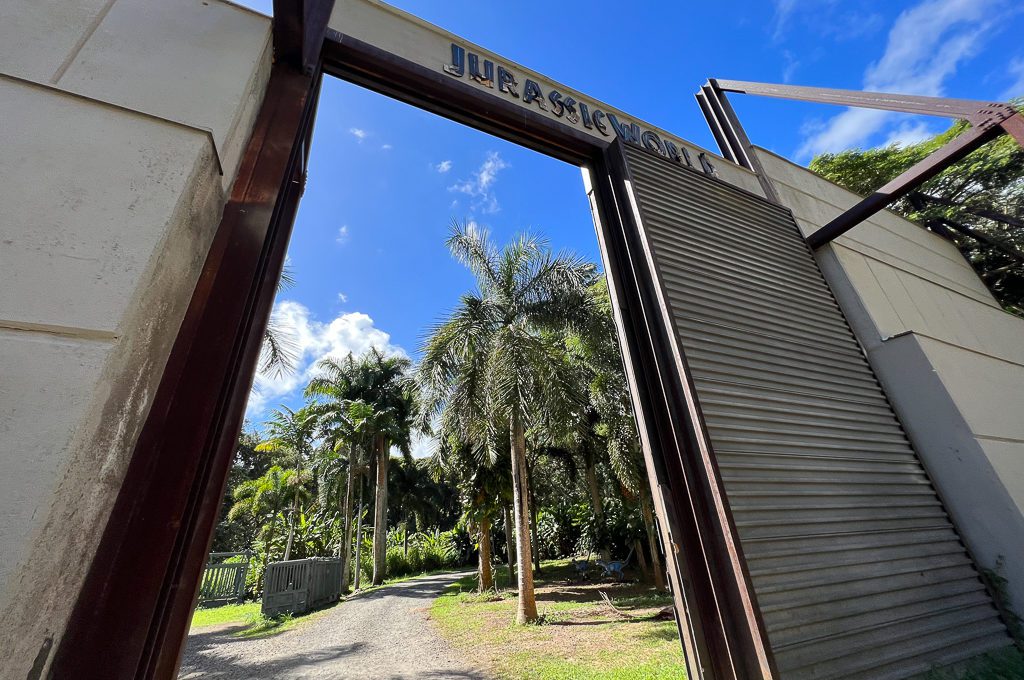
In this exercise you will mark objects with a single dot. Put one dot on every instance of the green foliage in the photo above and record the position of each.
(423, 551)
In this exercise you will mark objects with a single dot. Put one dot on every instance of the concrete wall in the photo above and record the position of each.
(951, 361)
(123, 125)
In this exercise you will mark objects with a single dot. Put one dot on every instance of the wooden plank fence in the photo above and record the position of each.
(298, 586)
(222, 582)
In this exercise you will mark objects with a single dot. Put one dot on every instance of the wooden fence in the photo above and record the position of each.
(223, 582)
(298, 586)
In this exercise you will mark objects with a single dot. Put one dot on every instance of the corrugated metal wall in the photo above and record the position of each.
(857, 569)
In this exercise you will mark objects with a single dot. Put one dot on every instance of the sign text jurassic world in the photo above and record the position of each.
(491, 75)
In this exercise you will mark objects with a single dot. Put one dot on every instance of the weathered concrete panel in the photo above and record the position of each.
(38, 36)
(186, 60)
(112, 180)
(41, 401)
(112, 192)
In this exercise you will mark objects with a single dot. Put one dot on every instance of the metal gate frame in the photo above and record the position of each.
(132, 615)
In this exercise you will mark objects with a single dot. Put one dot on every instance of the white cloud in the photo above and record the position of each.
(443, 167)
(386, 147)
(314, 340)
(909, 132)
(480, 185)
(926, 45)
(343, 235)
(359, 134)
(1015, 70)
(783, 12)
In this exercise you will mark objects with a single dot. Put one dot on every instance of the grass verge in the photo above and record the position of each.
(248, 614)
(579, 638)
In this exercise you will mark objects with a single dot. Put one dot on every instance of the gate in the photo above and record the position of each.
(298, 586)
(223, 582)
(841, 551)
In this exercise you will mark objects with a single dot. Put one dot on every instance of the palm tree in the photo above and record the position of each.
(343, 419)
(596, 356)
(291, 434)
(492, 356)
(278, 351)
(263, 498)
(382, 385)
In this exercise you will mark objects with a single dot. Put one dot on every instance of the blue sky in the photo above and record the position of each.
(386, 179)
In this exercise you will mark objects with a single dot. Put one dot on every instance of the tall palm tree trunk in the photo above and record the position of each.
(595, 503)
(510, 547)
(652, 539)
(359, 535)
(527, 609)
(270, 538)
(380, 515)
(344, 550)
(486, 577)
(291, 524)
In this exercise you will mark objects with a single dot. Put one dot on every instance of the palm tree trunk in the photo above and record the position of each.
(652, 539)
(291, 524)
(595, 503)
(270, 539)
(641, 558)
(510, 547)
(359, 535)
(533, 520)
(527, 609)
(346, 541)
(380, 515)
(486, 576)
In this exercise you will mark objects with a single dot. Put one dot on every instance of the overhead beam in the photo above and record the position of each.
(905, 183)
(967, 109)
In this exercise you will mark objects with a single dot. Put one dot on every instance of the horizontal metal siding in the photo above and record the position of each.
(858, 571)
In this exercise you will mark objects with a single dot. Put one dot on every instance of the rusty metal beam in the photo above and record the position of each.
(1014, 126)
(906, 182)
(988, 120)
(299, 27)
(967, 109)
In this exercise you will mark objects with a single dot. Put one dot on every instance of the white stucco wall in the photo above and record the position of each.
(123, 125)
(951, 361)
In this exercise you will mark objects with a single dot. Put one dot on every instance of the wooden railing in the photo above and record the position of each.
(223, 582)
(299, 586)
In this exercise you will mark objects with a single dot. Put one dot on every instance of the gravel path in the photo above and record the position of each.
(383, 634)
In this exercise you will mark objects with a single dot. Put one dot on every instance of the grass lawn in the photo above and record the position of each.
(579, 637)
(248, 614)
(229, 613)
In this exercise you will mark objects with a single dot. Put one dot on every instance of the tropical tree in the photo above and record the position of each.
(492, 355)
(291, 434)
(345, 423)
(384, 419)
(595, 353)
(263, 499)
